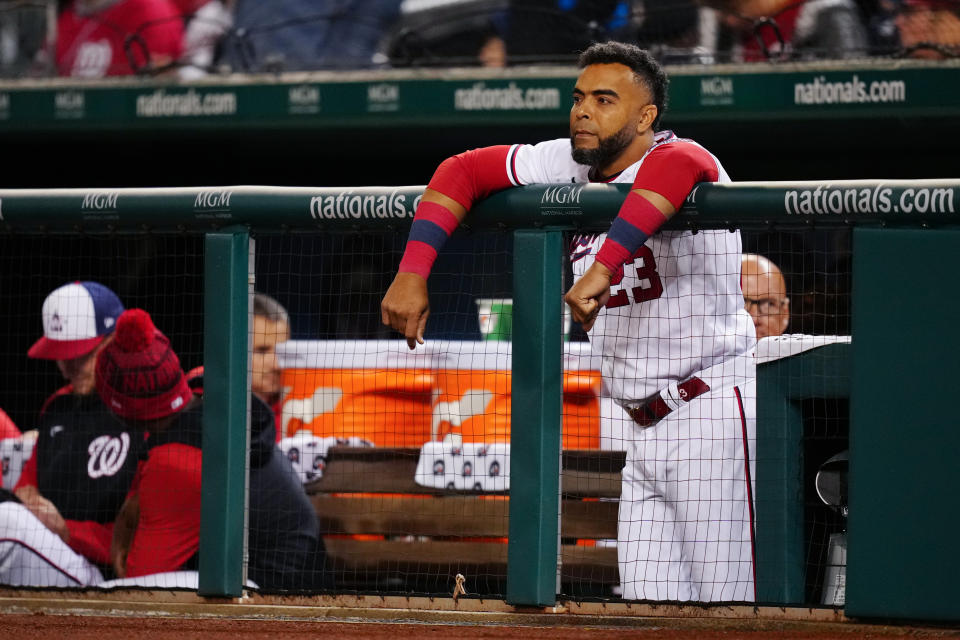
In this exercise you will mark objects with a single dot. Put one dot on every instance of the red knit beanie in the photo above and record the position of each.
(138, 373)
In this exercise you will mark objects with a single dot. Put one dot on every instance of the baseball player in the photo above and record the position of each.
(663, 308)
(158, 528)
(83, 460)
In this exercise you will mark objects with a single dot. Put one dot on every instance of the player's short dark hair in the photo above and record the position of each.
(267, 307)
(644, 66)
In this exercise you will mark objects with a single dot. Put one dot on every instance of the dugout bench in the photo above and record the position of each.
(384, 531)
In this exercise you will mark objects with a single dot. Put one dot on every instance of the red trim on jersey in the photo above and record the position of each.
(671, 169)
(62, 391)
(472, 175)
(746, 471)
(40, 555)
(8, 428)
(28, 474)
(512, 161)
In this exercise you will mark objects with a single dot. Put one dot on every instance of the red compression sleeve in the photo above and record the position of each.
(465, 178)
(636, 221)
(7, 427)
(472, 175)
(432, 226)
(672, 169)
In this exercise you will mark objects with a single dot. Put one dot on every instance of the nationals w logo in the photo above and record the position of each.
(107, 455)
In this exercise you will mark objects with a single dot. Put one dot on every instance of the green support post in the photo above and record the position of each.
(536, 417)
(226, 355)
(782, 385)
(902, 560)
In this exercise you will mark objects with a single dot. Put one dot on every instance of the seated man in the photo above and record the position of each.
(764, 295)
(83, 459)
(271, 326)
(158, 529)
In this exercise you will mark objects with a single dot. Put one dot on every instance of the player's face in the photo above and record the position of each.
(765, 298)
(81, 372)
(265, 372)
(610, 111)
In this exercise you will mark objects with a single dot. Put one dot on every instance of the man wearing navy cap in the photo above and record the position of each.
(84, 459)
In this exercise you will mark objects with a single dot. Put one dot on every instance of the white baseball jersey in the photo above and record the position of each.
(678, 308)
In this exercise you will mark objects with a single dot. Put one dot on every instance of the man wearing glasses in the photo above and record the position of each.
(764, 295)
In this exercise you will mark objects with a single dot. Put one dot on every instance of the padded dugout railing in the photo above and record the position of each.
(893, 224)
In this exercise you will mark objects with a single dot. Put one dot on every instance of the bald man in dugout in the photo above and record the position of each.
(764, 295)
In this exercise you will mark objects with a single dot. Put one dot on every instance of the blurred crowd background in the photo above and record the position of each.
(194, 38)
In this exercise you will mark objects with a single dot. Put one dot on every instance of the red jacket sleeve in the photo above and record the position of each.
(673, 168)
(91, 539)
(168, 533)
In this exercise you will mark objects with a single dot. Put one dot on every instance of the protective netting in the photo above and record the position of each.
(401, 458)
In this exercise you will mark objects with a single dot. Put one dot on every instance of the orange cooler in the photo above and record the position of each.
(373, 389)
(475, 394)
(394, 397)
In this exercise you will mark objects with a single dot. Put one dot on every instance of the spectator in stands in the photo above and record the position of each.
(271, 326)
(929, 28)
(300, 35)
(83, 459)
(760, 30)
(205, 24)
(764, 295)
(557, 30)
(97, 38)
(140, 379)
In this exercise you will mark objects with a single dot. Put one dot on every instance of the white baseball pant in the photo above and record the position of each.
(32, 555)
(686, 521)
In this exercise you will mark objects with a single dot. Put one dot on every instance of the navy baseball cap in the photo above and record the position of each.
(76, 318)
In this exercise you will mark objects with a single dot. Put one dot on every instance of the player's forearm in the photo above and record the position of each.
(643, 212)
(124, 529)
(458, 183)
(28, 494)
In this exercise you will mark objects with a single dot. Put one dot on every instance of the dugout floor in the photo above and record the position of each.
(28, 615)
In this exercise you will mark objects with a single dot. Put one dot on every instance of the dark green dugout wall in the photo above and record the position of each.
(903, 558)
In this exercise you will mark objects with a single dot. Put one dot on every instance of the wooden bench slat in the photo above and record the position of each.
(586, 473)
(467, 516)
(596, 564)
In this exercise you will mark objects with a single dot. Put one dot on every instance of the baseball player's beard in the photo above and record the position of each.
(606, 152)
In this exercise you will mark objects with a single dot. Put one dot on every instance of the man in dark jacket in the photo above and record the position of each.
(158, 529)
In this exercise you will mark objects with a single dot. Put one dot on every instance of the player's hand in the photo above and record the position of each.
(406, 307)
(589, 294)
(45, 511)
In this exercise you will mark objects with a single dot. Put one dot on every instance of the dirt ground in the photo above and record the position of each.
(41, 626)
